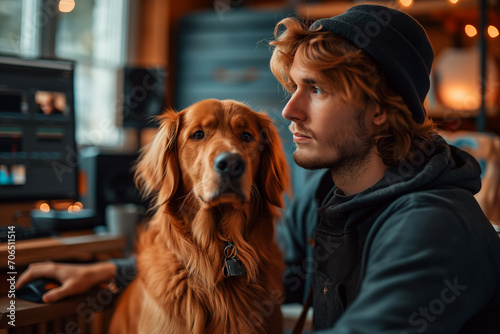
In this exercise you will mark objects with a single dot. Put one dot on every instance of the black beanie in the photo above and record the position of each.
(396, 41)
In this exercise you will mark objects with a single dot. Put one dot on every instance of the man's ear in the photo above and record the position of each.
(379, 116)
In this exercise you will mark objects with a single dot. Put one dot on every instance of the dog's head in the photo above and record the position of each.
(214, 152)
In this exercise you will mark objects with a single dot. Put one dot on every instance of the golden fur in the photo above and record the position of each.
(180, 287)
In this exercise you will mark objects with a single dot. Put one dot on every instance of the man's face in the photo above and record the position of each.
(47, 106)
(328, 133)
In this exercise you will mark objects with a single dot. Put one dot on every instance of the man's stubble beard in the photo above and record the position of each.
(352, 150)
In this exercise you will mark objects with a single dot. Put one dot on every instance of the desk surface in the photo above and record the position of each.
(84, 306)
(60, 248)
(28, 313)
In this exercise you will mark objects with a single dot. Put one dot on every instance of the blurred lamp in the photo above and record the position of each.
(66, 6)
(406, 3)
(457, 81)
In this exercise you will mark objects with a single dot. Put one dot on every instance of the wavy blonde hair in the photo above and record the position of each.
(354, 76)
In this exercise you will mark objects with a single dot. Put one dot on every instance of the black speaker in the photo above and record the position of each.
(144, 91)
(107, 179)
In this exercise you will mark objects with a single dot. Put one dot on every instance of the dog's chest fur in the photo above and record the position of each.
(183, 299)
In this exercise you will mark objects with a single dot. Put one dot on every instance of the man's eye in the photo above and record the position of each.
(246, 137)
(317, 90)
(198, 135)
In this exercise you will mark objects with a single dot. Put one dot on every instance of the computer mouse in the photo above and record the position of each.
(34, 290)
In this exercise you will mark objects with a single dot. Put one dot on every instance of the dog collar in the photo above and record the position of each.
(232, 265)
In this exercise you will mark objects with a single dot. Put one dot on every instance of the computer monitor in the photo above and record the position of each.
(38, 155)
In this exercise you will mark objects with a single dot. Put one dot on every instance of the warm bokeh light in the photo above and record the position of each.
(470, 30)
(78, 204)
(74, 208)
(493, 31)
(66, 6)
(460, 97)
(44, 207)
(406, 3)
(453, 1)
(458, 86)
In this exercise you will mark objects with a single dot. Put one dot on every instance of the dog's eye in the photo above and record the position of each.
(246, 137)
(198, 135)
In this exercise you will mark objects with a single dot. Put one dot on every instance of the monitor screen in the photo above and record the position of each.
(38, 156)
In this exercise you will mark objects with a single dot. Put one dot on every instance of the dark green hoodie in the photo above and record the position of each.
(412, 254)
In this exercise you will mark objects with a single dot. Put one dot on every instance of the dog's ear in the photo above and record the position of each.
(274, 169)
(157, 172)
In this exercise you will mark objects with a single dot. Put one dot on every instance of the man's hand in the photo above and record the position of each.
(74, 278)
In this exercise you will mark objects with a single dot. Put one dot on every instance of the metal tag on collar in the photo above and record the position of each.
(232, 265)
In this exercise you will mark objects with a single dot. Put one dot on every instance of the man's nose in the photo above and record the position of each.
(294, 109)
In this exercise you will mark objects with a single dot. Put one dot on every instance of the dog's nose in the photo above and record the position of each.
(230, 164)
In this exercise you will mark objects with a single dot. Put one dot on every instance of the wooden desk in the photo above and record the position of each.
(62, 248)
(86, 313)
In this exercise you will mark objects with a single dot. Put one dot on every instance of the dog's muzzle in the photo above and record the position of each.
(229, 165)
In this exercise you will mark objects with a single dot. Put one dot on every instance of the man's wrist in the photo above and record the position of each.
(125, 272)
(106, 271)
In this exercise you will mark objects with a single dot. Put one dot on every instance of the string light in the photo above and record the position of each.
(470, 30)
(493, 31)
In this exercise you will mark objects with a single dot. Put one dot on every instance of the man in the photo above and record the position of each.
(399, 244)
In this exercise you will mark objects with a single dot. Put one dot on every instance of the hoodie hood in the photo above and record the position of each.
(435, 165)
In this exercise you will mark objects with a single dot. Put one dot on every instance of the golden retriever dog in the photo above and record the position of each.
(207, 262)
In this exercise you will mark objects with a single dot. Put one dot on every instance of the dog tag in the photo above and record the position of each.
(234, 267)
